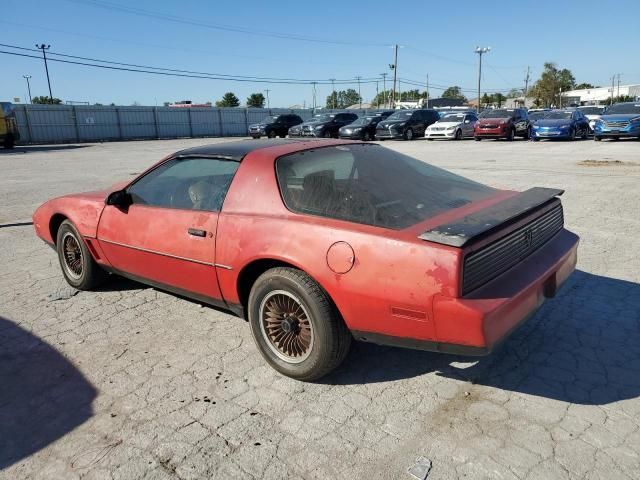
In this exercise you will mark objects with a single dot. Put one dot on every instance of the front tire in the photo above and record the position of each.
(408, 134)
(271, 134)
(296, 327)
(511, 135)
(597, 138)
(477, 139)
(458, 135)
(528, 133)
(78, 266)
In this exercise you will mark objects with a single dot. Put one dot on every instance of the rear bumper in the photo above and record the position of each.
(477, 323)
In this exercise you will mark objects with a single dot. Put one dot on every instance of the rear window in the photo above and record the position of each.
(372, 185)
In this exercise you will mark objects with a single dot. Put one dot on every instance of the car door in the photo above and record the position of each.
(167, 235)
(468, 124)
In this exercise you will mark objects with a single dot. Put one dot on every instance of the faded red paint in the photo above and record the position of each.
(399, 285)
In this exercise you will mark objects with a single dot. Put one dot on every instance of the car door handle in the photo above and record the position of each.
(197, 233)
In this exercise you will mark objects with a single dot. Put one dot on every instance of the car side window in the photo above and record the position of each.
(186, 184)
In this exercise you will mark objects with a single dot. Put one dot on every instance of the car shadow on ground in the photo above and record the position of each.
(582, 347)
(40, 148)
(43, 396)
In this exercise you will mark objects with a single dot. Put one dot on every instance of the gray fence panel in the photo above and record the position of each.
(137, 122)
(205, 122)
(173, 122)
(23, 124)
(96, 123)
(65, 123)
(52, 123)
(233, 121)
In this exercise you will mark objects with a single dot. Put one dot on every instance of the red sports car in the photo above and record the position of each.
(319, 241)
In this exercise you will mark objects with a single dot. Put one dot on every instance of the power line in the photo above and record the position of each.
(226, 28)
(178, 72)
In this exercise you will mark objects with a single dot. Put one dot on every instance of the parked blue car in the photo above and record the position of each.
(619, 120)
(568, 124)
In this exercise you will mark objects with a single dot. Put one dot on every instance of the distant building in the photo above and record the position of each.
(595, 96)
(187, 104)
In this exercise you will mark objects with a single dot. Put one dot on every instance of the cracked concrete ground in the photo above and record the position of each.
(130, 382)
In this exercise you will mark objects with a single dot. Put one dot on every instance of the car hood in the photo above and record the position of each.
(482, 121)
(619, 117)
(445, 124)
(388, 123)
(553, 122)
(258, 125)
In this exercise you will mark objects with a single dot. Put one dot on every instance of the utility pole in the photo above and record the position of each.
(480, 51)
(384, 87)
(613, 81)
(619, 85)
(44, 48)
(358, 78)
(333, 93)
(377, 93)
(526, 86)
(394, 67)
(314, 96)
(427, 90)
(267, 92)
(27, 77)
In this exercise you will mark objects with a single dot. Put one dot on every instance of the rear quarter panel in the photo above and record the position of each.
(394, 277)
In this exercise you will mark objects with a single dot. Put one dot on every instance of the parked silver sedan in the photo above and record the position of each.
(455, 126)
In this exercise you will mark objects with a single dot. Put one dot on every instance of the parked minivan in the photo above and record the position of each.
(407, 124)
(9, 133)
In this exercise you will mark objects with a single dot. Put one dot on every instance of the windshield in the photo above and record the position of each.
(363, 121)
(592, 110)
(370, 184)
(325, 117)
(537, 115)
(558, 115)
(496, 114)
(624, 108)
(400, 115)
(269, 119)
(453, 117)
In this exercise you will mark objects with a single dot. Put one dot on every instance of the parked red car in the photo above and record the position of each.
(319, 241)
(506, 123)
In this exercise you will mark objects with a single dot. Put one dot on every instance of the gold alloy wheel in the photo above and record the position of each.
(72, 255)
(286, 326)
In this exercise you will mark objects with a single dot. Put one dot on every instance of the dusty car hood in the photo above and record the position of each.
(482, 121)
(444, 124)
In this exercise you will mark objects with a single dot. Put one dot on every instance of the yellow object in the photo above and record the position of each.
(9, 133)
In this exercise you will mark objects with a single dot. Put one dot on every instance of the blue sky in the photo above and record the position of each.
(438, 39)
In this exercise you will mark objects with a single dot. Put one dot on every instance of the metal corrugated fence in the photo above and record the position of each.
(79, 123)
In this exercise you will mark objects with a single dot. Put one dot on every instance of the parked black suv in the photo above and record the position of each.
(274, 125)
(364, 128)
(407, 124)
(327, 124)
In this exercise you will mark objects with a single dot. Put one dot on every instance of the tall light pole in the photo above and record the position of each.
(27, 77)
(394, 66)
(44, 49)
(377, 95)
(358, 78)
(384, 87)
(314, 96)
(333, 93)
(267, 92)
(480, 51)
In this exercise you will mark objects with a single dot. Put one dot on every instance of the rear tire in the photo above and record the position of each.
(597, 138)
(326, 134)
(527, 135)
(477, 139)
(366, 136)
(295, 325)
(78, 266)
(9, 142)
(271, 134)
(511, 135)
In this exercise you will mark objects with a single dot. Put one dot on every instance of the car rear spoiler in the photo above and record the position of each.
(462, 231)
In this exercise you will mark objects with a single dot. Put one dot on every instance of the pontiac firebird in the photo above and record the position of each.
(318, 242)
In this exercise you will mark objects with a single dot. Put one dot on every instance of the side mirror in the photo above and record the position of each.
(119, 198)
(467, 121)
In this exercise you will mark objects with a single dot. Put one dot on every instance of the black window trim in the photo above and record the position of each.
(185, 157)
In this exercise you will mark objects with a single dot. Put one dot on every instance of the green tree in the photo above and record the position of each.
(454, 92)
(46, 100)
(553, 80)
(256, 100)
(584, 86)
(343, 99)
(620, 99)
(228, 100)
(486, 100)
